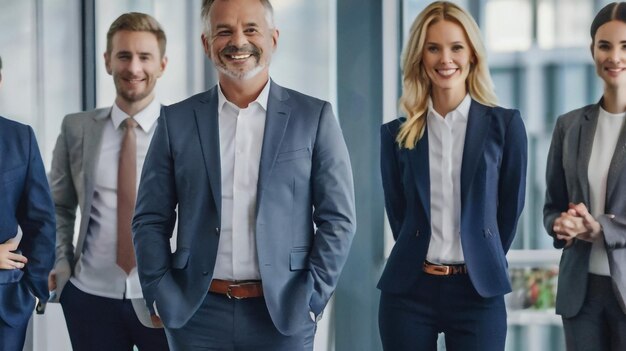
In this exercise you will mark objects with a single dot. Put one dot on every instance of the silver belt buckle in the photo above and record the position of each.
(229, 291)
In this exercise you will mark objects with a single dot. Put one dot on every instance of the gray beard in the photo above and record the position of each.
(241, 75)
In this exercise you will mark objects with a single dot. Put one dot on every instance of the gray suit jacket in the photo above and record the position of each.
(305, 217)
(72, 178)
(566, 181)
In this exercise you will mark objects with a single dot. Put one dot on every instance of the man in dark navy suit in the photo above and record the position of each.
(25, 202)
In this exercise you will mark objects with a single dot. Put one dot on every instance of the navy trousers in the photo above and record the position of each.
(601, 324)
(223, 324)
(12, 337)
(100, 324)
(442, 304)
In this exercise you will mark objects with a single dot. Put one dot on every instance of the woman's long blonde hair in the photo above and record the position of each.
(415, 82)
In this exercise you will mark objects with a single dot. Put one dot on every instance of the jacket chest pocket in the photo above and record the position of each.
(293, 155)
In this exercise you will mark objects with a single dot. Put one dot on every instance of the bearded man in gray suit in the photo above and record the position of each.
(263, 184)
(94, 167)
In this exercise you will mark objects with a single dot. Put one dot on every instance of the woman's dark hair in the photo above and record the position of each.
(613, 11)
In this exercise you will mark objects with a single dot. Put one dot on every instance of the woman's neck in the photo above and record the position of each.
(614, 99)
(446, 100)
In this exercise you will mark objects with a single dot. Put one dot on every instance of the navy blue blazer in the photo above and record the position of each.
(25, 201)
(493, 178)
(305, 212)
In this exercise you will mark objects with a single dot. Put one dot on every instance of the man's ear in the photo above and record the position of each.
(163, 65)
(206, 45)
(275, 35)
(107, 62)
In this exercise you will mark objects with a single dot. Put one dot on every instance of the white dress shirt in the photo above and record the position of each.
(446, 138)
(241, 139)
(604, 142)
(97, 272)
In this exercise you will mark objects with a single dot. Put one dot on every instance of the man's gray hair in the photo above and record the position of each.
(206, 20)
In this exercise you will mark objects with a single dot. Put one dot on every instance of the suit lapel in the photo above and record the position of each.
(276, 120)
(617, 165)
(93, 129)
(585, 144)
(207, 120)
(420, 166)
(92, 138)
(478, 121)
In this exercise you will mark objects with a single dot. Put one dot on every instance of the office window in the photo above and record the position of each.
(564, 23)
(411, 8)
(306, 56)
(39, 45)
(506, 81)
(18, 40)
(508, 25)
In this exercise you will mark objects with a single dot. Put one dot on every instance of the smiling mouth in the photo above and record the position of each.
(614, 70)
(134, 80)
(239, 57)
(446, 72)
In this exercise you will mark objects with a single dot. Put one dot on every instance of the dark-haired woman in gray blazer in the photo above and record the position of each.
(585, 209)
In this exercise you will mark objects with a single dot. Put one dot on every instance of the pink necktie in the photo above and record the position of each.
(126, 195)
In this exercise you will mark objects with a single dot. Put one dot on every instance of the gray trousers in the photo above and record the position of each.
(601, 324)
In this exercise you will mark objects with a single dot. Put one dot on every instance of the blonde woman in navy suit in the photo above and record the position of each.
(585, 209)
(454, 176)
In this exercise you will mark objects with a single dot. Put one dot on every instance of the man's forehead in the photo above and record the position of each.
(243, 11)
(134, 40)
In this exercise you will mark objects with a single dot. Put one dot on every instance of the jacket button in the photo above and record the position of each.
(417, 233)
(205, 273)
(217, 231)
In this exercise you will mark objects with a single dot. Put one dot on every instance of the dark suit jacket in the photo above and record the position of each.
(25, 201)
(493, 177)
(566, 181)
(305, 178)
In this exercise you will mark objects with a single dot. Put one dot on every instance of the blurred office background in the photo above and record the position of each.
(347, 52)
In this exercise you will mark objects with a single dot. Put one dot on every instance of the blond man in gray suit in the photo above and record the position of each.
(94, 167)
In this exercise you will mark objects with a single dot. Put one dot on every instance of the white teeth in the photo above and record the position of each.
(240, 57)
(614, 69)
(446, 72)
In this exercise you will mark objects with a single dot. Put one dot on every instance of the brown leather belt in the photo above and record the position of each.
(237, 289)
(442, 269)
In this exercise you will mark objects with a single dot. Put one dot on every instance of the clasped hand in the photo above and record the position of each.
(577, 222)
(9, 259)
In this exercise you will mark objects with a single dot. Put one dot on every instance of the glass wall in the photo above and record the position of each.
(306, 56)
(40, 50)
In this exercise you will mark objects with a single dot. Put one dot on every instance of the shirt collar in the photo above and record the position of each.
(460, 113)
(145, 118)
(611, 115)
(261, 100)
